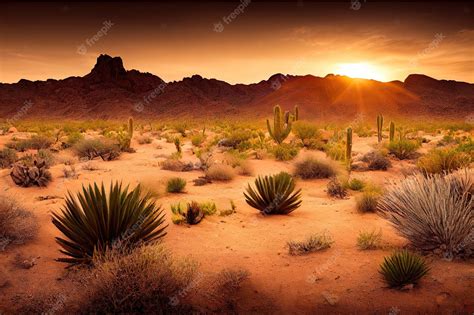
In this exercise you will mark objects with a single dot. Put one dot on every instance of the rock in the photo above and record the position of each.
(359, 166)
(407, 287)
(187, 167)
(12, 130)
(331, 298)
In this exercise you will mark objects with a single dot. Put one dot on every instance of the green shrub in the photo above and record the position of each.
(306, 132)
(114, 219)
(33, 143)
(369, 240)
(376, 160)
(434, 212)
(313, 243)
(403, 268)
(311, 167)
(197, 139)
(7, 157)
(336, 150)
(403, 149)
(73, 138)
(443, 160)
(208, 208)
(274, 194)
(355, 184)
(175, 185)
(285, 152)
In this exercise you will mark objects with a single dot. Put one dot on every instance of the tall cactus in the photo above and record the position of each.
(392, 131)
(379, 127)
(281, 129)
(130, 127)
(292, 116)
(349, 145)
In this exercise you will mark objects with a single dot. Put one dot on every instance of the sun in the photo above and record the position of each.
(360, 70)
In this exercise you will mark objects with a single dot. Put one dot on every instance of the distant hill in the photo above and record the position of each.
(110, 91)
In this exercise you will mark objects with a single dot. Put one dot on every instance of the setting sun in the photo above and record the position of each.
(360, 70)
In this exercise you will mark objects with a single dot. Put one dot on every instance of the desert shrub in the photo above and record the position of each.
(274, 194)
(192, 214)
(311, 167)
(369, 239)
(70, 172)
(34, 143)
(443, 160)
(144, 140)
(220, 172)
(285, 152)
(313, 243)
(172, 164)
(43, 155)
(208, 207)
(117, 218)
(175, 185)
(7, 157)
(147, 280)
(335, 188)
(355, 184)
(92, 148)
(306, 132)
(403, 149)
(197, 139)
(376, 160)
(434, 212)
(73, 138)
(230, 211)
(336, 150)
(403, 268)
(17, 225)
(367, 201)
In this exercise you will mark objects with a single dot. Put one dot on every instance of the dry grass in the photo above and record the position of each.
(17, 225)
(220, 172)
(442, 160)
(313, 243)
(312, 166)
(369, 239)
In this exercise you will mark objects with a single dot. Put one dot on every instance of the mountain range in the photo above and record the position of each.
(110, 91)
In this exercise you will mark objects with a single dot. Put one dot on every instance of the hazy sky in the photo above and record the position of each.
(174, 40)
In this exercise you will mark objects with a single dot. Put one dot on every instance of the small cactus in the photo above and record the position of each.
(349, 145)
(36, 175)
(379, 127)
(392, 131)
(281, 129)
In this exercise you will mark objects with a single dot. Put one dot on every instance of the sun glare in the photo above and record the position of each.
(360, 70)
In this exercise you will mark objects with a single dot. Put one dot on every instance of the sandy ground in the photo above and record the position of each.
(279, 283)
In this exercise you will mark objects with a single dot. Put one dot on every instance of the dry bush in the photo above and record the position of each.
(434, 212)
(7, 157)
(442, 160)
(376, 160)
(220, 172)
(106, 149)
(245, 169)
(34, 143)
(144, 140)
(70, 172)
(369, 240)
(335, 188)
(313, 243)
(403, 149)
(368, 201)
(17, 225)
(146, 280)
(311, 166)
(171, 164)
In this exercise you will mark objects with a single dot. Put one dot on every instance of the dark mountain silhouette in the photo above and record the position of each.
(110, 91)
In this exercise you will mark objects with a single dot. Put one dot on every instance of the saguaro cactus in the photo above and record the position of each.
(379, 127)
(392, 131)
(281, 129)
(292, 116)
(130, 127)
(349, 145)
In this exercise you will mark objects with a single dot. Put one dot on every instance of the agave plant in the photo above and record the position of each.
(96, 221)
(403, 268)
(274, 194)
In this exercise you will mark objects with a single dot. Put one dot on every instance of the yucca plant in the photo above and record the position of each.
(274, 194)
(434, 212)
(403, 268)
(96, 220)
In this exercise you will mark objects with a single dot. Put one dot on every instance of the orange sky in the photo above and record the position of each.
(39, 41)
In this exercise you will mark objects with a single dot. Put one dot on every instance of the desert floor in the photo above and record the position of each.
(341, 279)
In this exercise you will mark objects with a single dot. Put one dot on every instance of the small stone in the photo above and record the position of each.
(407, 287)
(331, 298)
(442, 297)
